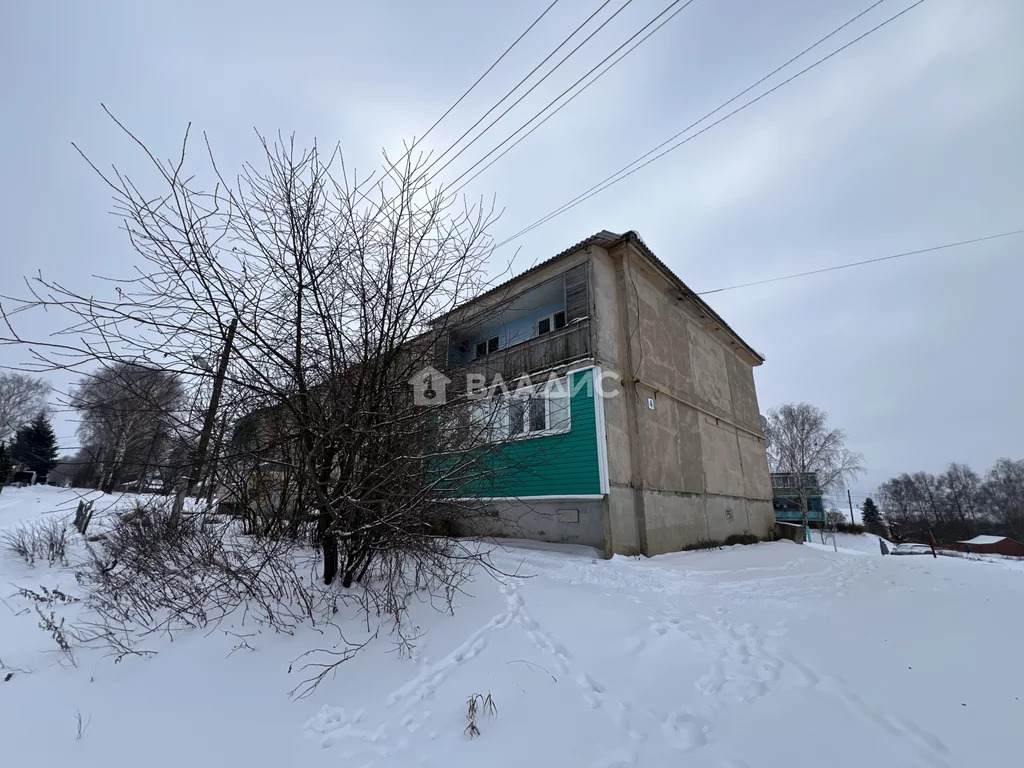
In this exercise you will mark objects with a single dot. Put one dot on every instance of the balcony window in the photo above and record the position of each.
(487, 347)
(551, 322)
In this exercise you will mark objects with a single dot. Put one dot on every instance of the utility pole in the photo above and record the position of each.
(211, 412)
(849, 498)
(185, 488)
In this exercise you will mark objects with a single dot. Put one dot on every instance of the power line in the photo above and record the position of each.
(622, 173)
(865, 261)
(566, 103)
(498, 103)
(527, 77)
(485, 74)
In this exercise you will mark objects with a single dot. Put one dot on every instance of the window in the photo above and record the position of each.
(534, 412)
(487, 346)
(516, 414)
(544, 409)
(558, 405)
(538, 413)
(782, 481)
(490, 421)
(551, 322)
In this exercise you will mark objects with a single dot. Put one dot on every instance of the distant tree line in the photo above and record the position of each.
(956, 504)
(136, 426)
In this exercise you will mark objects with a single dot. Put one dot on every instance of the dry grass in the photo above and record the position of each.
(44, 540)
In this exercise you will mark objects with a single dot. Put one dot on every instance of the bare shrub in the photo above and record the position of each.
(153, 572)
(20, 541)
(320, 297)
(47, 596)
(54, 538)
(431, 570)
(706, 544)
(49, 623)
(42, 540)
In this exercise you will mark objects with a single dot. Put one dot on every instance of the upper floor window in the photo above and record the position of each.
(551, 322)
(487, 346)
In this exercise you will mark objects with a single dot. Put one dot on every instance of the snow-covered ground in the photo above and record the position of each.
(850, 543)
(770, 655)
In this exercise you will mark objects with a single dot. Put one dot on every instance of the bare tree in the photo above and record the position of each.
(813, 454)
(932, 501)
(1003, 495)
(956, 503)
(22, 398)
(130, 414)
(833, 519)
(961, 487)
(900, 505)
(921, 505)
(336, 291)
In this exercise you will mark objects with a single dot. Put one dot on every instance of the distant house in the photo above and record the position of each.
(786, 498)
(992, 545)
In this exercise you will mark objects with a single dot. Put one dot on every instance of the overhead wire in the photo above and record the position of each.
(570, 88)
(864, 261)
(416, 142)
(485, 74)
(566, 103)
(625, 171)
(527, 77)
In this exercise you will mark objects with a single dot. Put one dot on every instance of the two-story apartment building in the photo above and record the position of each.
(786, 488)
(644, 436)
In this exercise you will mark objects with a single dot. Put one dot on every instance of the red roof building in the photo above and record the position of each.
(993, 545)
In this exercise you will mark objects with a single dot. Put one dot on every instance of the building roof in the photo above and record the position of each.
(984, 540)
(608, 240)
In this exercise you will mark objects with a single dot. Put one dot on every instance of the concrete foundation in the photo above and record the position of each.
(568, 521)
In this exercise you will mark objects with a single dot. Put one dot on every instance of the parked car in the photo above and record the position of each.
(912, 549)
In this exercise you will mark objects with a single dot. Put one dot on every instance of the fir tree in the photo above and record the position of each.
(870, 516)
(5, 464)
(35, 446)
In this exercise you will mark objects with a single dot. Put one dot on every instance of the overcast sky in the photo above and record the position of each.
(911, 138)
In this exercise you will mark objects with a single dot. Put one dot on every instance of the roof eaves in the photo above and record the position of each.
(687, 292)
(608, 240)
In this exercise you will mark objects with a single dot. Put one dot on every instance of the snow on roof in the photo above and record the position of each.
(984, 540)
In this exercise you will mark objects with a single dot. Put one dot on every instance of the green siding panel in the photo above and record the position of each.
(565, 464)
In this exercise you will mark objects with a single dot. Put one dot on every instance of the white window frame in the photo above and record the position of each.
(527, 396)
(551, 323)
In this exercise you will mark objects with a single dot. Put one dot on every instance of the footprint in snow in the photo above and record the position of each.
(685, 732)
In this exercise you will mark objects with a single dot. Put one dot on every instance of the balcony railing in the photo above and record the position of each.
(537, 354)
